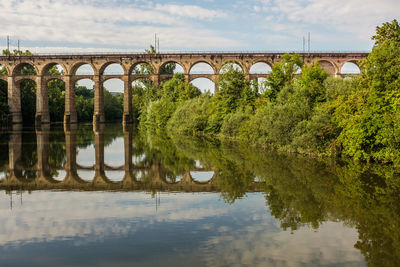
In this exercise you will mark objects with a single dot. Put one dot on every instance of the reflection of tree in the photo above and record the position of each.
(299, 191)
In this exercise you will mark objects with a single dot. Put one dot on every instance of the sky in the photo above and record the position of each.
(60, 26)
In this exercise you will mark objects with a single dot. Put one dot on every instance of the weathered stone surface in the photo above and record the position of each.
(331, 62)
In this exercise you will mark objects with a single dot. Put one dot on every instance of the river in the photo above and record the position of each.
(114, 196)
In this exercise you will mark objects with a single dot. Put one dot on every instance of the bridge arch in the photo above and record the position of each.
(142, 82)
(328, 66)
(112, 68)
(202, 67)
(142, 68)
(260, 67)
(62, 69)
(234, 63)
(166, 68)
(83, 68)
(25, 69)
(113, 85)
(205, 84)
(4, 71)
(350, 67)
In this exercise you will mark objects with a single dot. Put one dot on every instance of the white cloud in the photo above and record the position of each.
(98, 24)
(357, 17)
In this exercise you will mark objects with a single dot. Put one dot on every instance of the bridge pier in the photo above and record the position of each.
(127, 117)
(70, 115)
(14, 101)
(99, 177)
(42, 115)
(98, 115)
(42, 143)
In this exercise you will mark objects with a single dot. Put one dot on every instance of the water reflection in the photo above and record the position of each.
(345, 205)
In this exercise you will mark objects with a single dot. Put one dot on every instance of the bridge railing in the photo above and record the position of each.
(195, 52)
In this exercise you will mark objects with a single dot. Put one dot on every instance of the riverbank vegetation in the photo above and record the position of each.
(355, 117)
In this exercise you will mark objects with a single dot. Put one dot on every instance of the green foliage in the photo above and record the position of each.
(234, 124)
(16, 52)
(113, 106)
(191, 116)
(84, 103)
(369, 116)
(282, 74)
(3, 98)
(28, 100)
(179, 90)
(158, 108)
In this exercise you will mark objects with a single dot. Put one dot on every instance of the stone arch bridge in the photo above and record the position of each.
(332, 62)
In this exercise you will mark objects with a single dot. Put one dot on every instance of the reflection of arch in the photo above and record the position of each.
(203, 85)
(202, 177)
(260, 67)
(46, 69)
(20, 67)
(104, 68)
(212, 70)
(76, 67)
(114, 176)
(134, 66)
(328, 66)
(231, 62)
(350, 67)
(177, 64)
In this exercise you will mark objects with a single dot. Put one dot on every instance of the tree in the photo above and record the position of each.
(370, 117)
(282, 74)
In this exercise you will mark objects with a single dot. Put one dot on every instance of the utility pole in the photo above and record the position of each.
(158, 44)
(304, 44)
(309, 41)
(155, 42)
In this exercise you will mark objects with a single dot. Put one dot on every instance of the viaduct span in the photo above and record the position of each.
(14, 65)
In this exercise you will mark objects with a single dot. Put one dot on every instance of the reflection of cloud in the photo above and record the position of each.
(258, 244)
(46, 216)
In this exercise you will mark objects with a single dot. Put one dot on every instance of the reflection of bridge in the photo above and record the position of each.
(14, 65)
(153, 177)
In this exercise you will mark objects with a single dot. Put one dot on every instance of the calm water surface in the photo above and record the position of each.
(112, 197)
